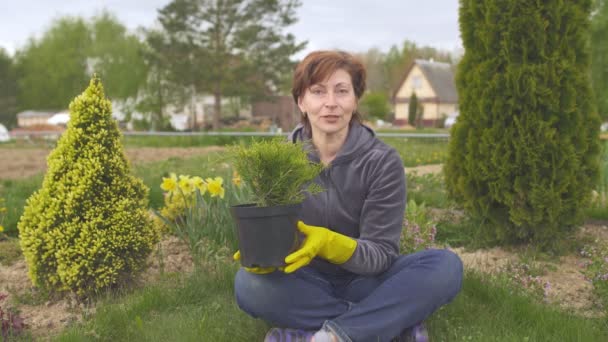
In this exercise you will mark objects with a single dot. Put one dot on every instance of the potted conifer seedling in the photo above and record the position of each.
(279, 175)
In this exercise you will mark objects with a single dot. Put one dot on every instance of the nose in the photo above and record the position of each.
(331, 100)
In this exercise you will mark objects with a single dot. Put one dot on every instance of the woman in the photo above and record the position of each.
(347, 282)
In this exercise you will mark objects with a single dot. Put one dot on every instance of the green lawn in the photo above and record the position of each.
(202, 308)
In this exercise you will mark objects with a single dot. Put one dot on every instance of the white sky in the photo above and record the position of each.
(352, 25)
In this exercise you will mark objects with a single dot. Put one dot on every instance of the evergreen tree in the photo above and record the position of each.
(523, 156)
(412, 110)
(229, 48)
(599, 56)
(8, 90)
(88, 227)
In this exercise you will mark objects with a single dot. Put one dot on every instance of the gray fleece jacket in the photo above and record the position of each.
(364, 198)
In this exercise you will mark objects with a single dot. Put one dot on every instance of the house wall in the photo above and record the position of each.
(432, 112)
(281, 109)
(25, 122)
(414, 82)
(423, 88)
(445, 109)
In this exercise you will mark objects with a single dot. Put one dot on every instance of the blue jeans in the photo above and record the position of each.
(356, 308)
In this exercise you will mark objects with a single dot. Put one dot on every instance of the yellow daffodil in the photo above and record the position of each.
(214, 186)
(199, 183)
(1, 229)
(169, 184)
(185, 184)
(236, 179)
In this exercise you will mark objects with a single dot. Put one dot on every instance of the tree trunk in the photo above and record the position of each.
(217, 112)
(193, 108)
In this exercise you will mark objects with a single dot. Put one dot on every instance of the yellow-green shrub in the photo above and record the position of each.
(87, 228)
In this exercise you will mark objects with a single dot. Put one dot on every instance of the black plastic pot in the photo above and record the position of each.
(266, 234)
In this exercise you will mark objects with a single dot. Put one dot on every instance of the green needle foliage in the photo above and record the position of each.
(523, 155)
(87, 228)
(278, 172)
(412, 110)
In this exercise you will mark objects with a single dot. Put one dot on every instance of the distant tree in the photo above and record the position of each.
(599, 56)
(160, 87)
(8, 90)
(373, 60)
(412, 109)
(523, 155)
(53, 69)
(420, 116)
(117, 56)
(231, 47)
(375, 105)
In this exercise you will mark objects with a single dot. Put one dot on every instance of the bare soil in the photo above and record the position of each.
(25, 162)
(47, 318)
(424, 169)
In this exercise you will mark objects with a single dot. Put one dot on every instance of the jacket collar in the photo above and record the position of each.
(359, 139)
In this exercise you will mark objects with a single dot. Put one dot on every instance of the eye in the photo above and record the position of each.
(316, 91)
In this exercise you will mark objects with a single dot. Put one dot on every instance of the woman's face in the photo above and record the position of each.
(330, 104)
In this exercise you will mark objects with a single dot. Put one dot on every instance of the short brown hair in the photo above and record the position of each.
(317, 66)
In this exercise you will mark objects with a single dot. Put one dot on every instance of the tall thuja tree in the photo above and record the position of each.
(8, 90)
(87, 228)
(599, 56)
(524, 153)
(412, 110)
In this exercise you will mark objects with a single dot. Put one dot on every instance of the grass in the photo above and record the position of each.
(428, 189)
(9, 251)
(15, 194)
(202, 308)
(419, 151)
(181, 141)
(488, 310)
(199, 308)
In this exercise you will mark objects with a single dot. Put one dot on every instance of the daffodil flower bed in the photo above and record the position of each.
(197, 209)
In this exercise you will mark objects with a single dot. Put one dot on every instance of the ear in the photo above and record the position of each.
(300, 105)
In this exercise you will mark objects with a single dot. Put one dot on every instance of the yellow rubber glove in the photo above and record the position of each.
(256, 270)
(329, 245)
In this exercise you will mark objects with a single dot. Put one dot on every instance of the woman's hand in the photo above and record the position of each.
(256, 270)
(329, 245)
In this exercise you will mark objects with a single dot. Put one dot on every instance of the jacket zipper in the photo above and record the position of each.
(328, 182)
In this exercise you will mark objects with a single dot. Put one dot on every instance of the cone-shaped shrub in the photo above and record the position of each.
(412, 110)
(87, 228)
(524, 153)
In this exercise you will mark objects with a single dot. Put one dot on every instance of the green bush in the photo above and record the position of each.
(87, 228)
(277, 172)
(376, 105)
(524, 153)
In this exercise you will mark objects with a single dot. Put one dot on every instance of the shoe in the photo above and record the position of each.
(417, 333)
(288, 335)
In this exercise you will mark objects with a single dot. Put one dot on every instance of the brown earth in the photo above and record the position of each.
(50, 317)
(424, 169)
(25, 162)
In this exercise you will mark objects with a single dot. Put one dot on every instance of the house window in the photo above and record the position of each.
(416, 82)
